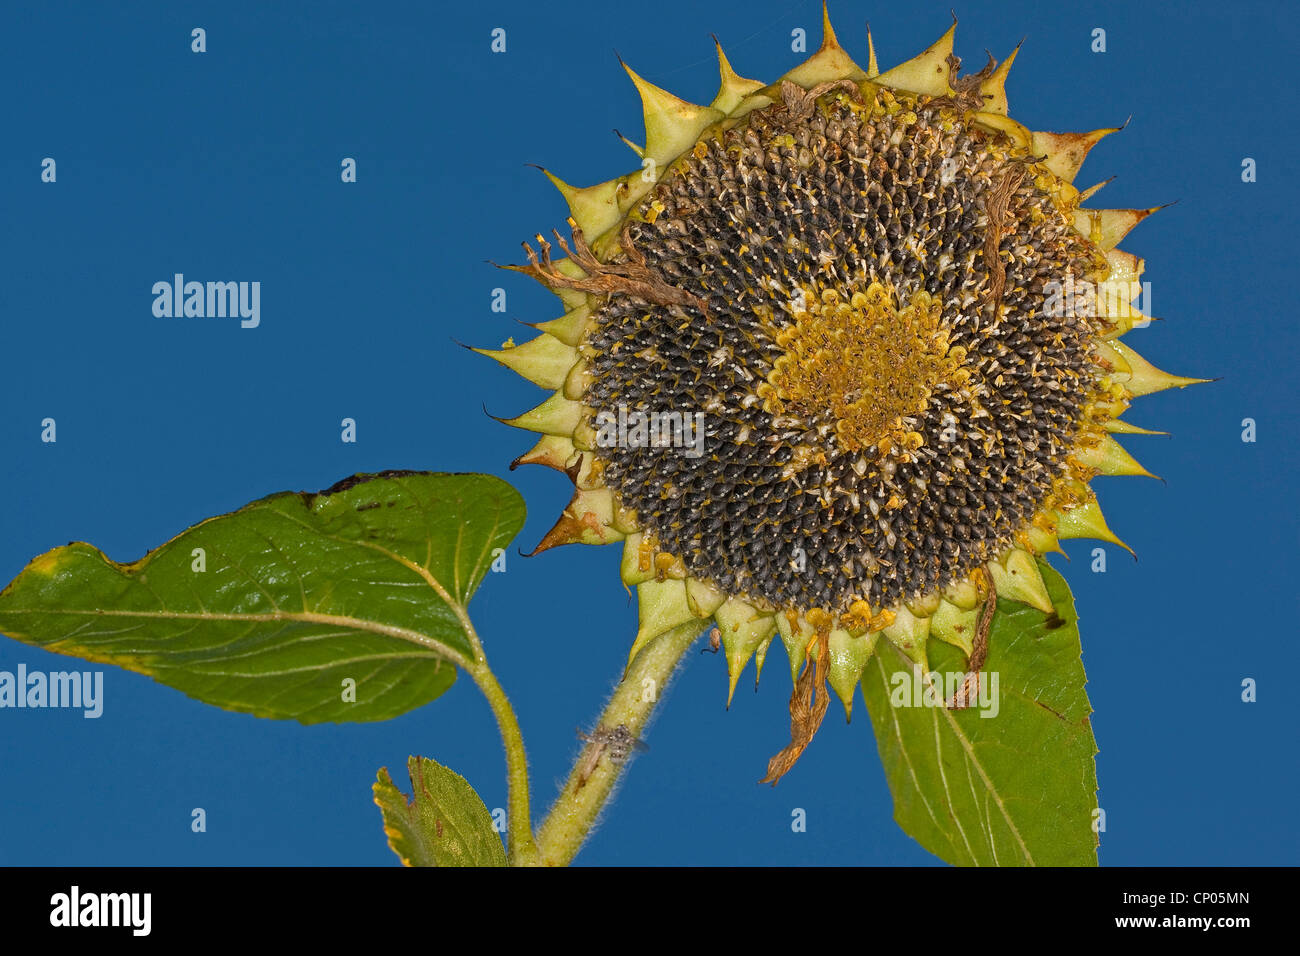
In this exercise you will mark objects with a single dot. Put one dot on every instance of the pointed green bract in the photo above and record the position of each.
(1124, 266)
(1107, 227)
(544, 361)
(551, 451)
(1110, 458)
(704, 599)
(848, 658)
(1087, 521)
(630, 569)
(955, 626)
(1125, 428)
(555, 416)
(1066, 152)
(1143, 378)
(927, 72)
(569, 327)
(663, 606)
(595, 209)
(744, 630)
(760, 658)
(795, 637)
(993, 90)
(671, 125)
(829, 63)
(1016, 578)
(733, 88)
(909, 634)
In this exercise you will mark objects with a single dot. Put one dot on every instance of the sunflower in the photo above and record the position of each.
(839, 362)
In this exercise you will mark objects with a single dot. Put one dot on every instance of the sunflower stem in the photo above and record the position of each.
(592, 781)
(519, 830)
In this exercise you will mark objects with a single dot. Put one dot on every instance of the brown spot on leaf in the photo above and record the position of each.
(353, 480)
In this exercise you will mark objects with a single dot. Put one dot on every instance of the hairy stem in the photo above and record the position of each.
(592, 780)
(519, 828)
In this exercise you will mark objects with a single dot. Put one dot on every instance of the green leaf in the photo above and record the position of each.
(1018, 788)
(274, 609)
(443, 824)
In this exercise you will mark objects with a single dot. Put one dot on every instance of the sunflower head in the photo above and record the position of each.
(840, 361)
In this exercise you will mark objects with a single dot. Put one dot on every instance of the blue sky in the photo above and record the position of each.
(225, 165)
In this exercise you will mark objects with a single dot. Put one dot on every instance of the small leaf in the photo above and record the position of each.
(347, 605)
(443, 824)
(1014, 789)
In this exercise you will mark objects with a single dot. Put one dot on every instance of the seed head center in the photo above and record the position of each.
(864, 360)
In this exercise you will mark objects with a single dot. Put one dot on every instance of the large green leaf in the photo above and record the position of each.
(444, 823)
(1018, 788)
(347, 605)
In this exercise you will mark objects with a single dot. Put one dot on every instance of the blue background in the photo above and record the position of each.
(226, 165)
